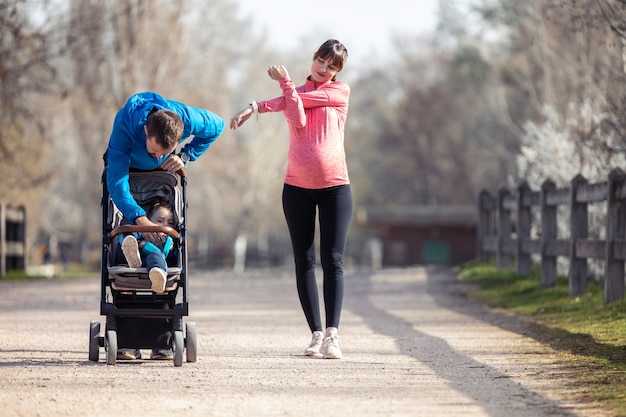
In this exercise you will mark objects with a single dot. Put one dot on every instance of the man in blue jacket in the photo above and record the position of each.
(145, 134)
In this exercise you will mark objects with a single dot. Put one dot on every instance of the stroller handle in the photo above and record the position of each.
(129, 228)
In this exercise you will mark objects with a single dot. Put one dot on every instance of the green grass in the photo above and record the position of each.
(17, 275)
(70, 271)
(589, 335)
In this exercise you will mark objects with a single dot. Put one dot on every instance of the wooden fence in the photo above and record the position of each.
(12, 238)
(505, 222)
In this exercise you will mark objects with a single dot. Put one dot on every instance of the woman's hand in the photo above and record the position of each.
(241, 117)
(276, 72)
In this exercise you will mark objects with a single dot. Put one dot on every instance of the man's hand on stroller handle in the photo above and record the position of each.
(173, 163)
(155, 238)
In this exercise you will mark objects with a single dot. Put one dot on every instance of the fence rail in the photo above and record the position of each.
(505, 223)
(12, 238)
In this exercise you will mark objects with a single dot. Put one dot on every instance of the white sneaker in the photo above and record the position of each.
(158, 278)
(316, 344)
(330, 346)
(130, 247)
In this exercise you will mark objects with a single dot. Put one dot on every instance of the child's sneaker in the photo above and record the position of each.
(330, 346)
(316, 344)
(130, 247)
(158, 278)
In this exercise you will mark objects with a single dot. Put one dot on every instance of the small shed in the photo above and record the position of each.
(423, 234)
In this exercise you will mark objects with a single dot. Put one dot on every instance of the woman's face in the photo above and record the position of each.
(323, 70)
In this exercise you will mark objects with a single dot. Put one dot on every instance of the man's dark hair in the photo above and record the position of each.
(166, 126)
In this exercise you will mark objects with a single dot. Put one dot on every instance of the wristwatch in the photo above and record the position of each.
(184, 157)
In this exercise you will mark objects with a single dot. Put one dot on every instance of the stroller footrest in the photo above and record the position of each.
(124, 278)
(179, 310)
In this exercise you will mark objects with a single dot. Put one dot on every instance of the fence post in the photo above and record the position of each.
(3, 240)
(485, 224)
(12, 238)
(615, 229)
(579, 229)
(523, 261)
(548, 234)
(504, 230)
(20, 236)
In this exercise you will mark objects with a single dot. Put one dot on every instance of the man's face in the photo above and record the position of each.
(154, 149)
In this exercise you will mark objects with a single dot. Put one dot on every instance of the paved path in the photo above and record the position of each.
(413, 346)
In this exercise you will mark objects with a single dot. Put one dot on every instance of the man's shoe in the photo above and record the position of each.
(160, 354)
(158, 278)
(130, 248)
(128, 354)
(330, 347)
(316, 344)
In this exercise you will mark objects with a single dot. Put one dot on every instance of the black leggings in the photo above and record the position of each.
(335, 212)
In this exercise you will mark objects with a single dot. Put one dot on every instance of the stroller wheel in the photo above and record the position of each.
(111, 346)
(94, 341)
(179, 346)
(191, 341)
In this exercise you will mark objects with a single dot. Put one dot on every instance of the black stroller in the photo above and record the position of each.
(137, 317)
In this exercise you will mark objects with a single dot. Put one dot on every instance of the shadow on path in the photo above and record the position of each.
(461, 372)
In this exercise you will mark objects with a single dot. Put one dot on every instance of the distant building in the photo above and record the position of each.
(423, 234)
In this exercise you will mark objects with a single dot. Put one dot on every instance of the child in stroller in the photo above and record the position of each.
(135, 248)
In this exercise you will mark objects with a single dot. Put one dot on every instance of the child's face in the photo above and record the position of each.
(163, 217)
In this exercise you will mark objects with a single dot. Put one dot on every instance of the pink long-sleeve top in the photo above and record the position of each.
(316, 114)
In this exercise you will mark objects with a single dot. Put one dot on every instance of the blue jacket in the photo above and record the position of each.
(127, 145)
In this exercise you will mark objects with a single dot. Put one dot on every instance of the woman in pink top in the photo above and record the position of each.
(316, 179)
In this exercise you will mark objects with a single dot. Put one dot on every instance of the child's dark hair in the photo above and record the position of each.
(333, 50)
(159, 204)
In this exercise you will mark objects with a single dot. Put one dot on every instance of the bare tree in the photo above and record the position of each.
(613, 14)
(25, 70)
(110, 52)
(562, 55)
(27, 77)
(436, 120)
(197, 52)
